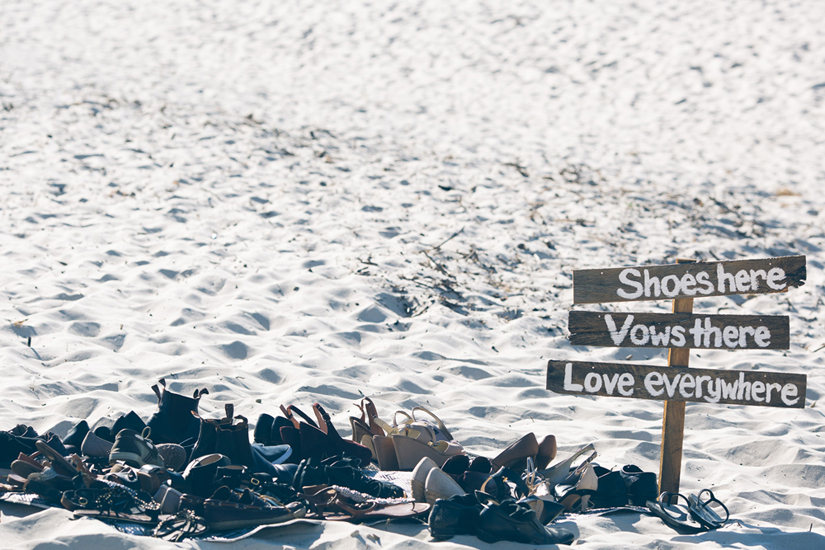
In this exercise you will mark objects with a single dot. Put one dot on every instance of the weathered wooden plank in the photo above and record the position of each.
(764, 389)
(679, 330)
(688, 280)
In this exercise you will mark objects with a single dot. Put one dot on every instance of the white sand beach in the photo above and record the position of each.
(291, 202)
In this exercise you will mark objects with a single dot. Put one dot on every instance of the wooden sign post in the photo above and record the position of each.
(680, 331)
(673, 419)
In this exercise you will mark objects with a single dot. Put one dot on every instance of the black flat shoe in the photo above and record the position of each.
(458, 515)
(516, 522)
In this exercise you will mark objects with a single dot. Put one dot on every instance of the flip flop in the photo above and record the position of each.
(676, 516)
(703, 513)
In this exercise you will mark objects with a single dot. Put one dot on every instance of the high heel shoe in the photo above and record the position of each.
(366, 425)
(560, 470)
(515, 456)
(289, 433)
(337, 444)
(575, 491)
(547, 451)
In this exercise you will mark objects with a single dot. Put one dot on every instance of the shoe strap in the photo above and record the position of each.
(438, 421)
(712, 498)
(324, 421)
(403, 430)
(372, 414)
(583, 466)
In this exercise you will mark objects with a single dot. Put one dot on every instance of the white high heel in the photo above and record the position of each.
(559, 471)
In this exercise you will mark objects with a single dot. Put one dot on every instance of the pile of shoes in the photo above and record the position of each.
(187, 475)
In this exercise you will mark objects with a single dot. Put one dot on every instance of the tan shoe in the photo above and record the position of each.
(440, 485)
(419, 478)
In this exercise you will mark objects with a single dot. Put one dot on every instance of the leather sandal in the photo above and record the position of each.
(184, 524)
(337, 504)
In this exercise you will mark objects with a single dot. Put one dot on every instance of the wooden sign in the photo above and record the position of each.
(688, 280)
(765, 389)
(678, 330)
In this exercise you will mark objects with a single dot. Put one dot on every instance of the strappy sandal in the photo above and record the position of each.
(703, 513)
(439, 425)
(110, 501)
(556, 473)
(184, 524)
(335, 503)
(675, 515)
(415, 439)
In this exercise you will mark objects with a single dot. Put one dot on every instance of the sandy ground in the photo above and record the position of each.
(312, 201)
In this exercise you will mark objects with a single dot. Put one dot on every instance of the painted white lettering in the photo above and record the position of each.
(670, 293)
(568, 379)
(723, 277)
(762, 337)
(743, 335)
(671, 387)
(653, 384)
(639, 340)
(660, 339)
(677, 337)
(610, 382)
(699, 380)
(755, 274)
(756, 391)
(743, 281)
(704, 279)
(769, 388)
(651, 282)
(731, 336)
(618, 336)
(774, 275)
(592, 382)
(688, 284)
(729, 390)
(626, 381)
(697, 332)
(624, 278)
(712, 331)
(714, 391)
(744, 388)
(789, 391)
(687, 383)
